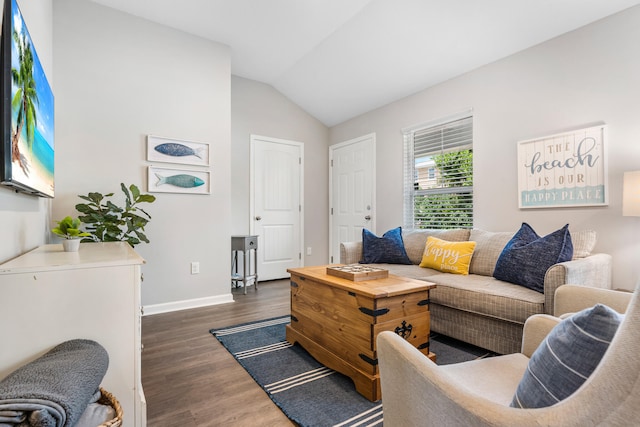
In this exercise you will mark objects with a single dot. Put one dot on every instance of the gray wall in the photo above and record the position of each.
(585, 77)
(259, 109)
(120, 79)
(25, 218)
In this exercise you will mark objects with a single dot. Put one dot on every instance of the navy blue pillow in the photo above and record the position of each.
(388, 249)
(567, 357)
(527, 257)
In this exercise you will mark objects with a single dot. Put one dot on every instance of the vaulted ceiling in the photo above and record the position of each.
(341, 58)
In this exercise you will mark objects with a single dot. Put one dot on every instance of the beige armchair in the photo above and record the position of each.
(417, 392)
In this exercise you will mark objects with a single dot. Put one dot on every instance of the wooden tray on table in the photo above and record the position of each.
(357, 272)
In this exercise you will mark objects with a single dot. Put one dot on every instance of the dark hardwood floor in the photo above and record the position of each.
(190, 379)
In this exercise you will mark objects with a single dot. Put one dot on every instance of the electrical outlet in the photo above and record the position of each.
(195, 267)
(308, 250)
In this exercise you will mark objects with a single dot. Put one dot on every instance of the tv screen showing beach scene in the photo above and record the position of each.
(27, 110)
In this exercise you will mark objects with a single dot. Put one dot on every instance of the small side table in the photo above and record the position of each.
(244, 244)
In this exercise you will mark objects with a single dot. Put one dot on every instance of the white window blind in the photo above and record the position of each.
(439, 175)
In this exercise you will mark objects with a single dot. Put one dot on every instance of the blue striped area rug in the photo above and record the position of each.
(309, 393)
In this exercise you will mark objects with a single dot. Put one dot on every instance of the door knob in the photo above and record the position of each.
(368, 217)
(258, 218)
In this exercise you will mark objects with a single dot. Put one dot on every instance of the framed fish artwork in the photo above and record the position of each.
(163, 180)
(177, 151)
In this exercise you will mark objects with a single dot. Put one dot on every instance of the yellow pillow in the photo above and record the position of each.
(449, 257)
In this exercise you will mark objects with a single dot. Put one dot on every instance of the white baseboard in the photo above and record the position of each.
(167, 307)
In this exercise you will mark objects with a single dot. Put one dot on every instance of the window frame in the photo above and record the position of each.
(410, 172)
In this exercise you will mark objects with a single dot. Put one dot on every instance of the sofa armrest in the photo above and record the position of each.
(573, 298)
(350, 252)
(536, 328)
(594, 270)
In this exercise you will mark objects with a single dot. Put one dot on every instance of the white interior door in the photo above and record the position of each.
(352, 191)
(276, 205)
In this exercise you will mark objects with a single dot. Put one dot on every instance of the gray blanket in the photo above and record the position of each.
(55, 389)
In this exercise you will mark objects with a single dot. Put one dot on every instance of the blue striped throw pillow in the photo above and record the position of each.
(566, 358)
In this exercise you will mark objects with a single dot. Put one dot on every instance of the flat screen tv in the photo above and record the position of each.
(26, 109)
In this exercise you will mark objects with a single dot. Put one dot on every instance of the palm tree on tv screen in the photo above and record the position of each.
(26, 97)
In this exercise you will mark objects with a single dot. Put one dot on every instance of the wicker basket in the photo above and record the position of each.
(109, 399)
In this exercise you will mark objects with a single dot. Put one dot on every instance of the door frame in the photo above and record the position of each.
(339, 145)
(252, 212)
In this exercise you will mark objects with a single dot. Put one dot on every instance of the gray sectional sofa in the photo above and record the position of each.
(479, 309)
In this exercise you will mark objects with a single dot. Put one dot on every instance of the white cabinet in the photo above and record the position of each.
(48, 296)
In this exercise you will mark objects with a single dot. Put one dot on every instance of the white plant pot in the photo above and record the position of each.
(71, 245)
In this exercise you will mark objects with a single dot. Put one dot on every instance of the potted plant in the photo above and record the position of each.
(69, 229)
(108, 222)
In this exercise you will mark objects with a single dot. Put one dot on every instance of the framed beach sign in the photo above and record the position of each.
(26, 112)
(162, 180)
(563, 170)
(177, 151)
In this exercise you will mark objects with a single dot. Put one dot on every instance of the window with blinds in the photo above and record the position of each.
(439, 174)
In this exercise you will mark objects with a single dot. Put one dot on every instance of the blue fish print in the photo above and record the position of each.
(178, 150)
(182, 180)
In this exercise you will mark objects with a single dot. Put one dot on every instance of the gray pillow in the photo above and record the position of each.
(489, 245)
(583, 243)
(568, 355)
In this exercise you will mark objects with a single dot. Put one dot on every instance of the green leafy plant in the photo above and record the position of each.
(69, 228)
(108, 222)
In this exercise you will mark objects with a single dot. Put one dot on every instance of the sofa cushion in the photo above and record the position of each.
(493, 378)
(448, 257)
(566, 358)
(489, 246)
(527, 256)
(410, 270)
(415, 240)
(386, 249)
(583, 243)
(486, 296)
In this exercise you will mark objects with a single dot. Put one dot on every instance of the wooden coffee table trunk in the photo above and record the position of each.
(337, 320)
